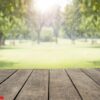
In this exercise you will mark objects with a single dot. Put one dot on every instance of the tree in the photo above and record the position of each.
(35, 22)
(47, 34)
(90, 10)
(82, 18)
(72, 20)
(10, 10)
(38, 25)
(56, 21)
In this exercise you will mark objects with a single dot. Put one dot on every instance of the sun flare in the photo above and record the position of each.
(45, 5)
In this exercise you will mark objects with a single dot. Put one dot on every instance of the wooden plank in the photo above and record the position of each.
(98, 69)
(93, 74)
(36, 87)
(11, 87)
(87, 88)
(5, 74)
(61, 87)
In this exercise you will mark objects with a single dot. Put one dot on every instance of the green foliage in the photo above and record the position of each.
(71, 20)
(56, 22)
(12, 14)
(47, 34)
(83, 17)
(90, 9)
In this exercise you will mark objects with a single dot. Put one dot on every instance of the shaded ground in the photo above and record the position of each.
(5, 64)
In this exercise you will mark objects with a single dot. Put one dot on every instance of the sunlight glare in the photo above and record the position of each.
(45, 5)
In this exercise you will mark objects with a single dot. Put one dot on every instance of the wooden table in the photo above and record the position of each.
(70, 84)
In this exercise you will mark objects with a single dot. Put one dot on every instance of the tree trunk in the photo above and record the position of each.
(93, 41)
(72, 38)
(86, 39)
(73, 41)
(38, 38)
(93, 38)
(1, 39)
(56, 39)
(56, 35)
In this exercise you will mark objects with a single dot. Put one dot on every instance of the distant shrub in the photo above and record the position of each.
(46, 34)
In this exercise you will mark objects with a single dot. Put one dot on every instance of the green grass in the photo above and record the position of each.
(45, 56)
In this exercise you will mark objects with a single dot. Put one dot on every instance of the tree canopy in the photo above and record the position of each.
(79, 19)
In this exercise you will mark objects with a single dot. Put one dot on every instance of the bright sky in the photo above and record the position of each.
(45, 5)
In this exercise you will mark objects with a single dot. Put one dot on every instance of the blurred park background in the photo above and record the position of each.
(49, 34)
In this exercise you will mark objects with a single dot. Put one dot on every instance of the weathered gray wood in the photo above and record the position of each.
(93, 74)
(74, 86)
(61, 87)
(88, 89)
(36, 87)
(11, 87)
(4, 74)
(98, 69)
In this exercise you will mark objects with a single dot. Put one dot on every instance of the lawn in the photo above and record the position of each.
(48, 55)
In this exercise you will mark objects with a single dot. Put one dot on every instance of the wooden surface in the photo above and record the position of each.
(77, 84)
